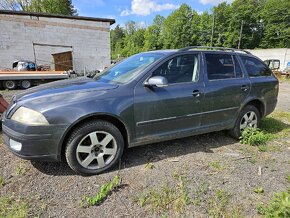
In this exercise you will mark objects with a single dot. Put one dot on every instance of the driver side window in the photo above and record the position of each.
(180, 69)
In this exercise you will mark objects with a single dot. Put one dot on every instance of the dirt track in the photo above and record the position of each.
(208, 163)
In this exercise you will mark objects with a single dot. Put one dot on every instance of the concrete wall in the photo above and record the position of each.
(282, 54)
(88, 40)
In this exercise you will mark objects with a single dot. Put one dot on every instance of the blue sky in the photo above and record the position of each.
(140, 11)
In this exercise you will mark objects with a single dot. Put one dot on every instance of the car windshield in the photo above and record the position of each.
(128, 69)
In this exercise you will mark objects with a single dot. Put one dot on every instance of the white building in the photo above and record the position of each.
(36, 36)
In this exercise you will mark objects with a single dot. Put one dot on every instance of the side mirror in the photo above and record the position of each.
(158, 81)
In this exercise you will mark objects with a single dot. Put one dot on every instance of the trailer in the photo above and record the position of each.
(25, 79)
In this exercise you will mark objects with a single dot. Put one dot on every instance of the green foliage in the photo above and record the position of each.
(259, 190)
(288, 178)
(217, 165)
(64, 7)
(105, 190)
(167, 198)
(21, 171)
(264, 24)
(279, 206)
(2, 181)
(218, 203)
(149, 165)
(11, 208)
(254, 137)
(200, 193)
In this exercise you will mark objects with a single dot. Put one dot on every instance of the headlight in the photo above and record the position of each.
(29, 117)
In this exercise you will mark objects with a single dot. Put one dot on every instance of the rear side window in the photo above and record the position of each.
(255, 68)
(222, 66)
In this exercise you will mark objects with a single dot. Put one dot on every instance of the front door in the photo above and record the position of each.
(174, 109)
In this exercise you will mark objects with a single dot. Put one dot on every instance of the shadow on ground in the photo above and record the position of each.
(151, 153)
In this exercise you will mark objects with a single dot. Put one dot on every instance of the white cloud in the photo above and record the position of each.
(213, 2)
(146, 7)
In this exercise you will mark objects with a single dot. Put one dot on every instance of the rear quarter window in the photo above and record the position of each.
(255, 67)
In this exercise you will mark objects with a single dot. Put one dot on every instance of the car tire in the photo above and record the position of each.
(248, 117)
(94, 147)
(10, 84)
(25, 84)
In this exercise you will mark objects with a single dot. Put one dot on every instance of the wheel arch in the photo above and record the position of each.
(105, 117)
(258, 104)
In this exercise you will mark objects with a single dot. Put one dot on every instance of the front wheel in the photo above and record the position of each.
(249, 117)
(94, 147)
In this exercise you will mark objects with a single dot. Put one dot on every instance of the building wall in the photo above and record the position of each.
(282, 54)
(88, 40)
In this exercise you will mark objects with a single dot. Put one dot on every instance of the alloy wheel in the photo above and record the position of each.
(96, 150)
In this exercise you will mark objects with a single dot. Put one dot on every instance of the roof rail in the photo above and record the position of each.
(213, 48)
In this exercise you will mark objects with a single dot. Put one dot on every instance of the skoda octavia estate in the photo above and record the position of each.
(148, 97)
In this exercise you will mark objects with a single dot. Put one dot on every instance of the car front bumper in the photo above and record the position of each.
(34, 142)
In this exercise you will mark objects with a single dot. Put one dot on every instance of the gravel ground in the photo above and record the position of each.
(208, 163)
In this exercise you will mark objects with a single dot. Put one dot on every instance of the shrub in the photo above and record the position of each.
(254, 137)
(278, 207)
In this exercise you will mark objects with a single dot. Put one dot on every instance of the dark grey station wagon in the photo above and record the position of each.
(149, 97)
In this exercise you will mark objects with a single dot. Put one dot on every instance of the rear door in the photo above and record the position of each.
(225, 89)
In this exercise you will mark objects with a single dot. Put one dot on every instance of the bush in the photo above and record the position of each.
(254, 137)
(278, 207)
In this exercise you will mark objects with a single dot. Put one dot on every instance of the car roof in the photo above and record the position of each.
(206, 49)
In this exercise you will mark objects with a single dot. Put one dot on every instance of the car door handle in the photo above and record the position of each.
(245, 88)
(196, 93)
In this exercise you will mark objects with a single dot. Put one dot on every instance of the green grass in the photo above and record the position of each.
(218, 203)
(288, 178)
(21, 171)
(105, 190)
(275, 126)
(218, 165)
(11, 208)
(259, 190)
(200, 193)
(167, 198)
(279, 206)
(2, 181)
(269, 148)
(149, 165)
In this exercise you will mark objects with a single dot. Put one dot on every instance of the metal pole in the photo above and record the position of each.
(241, 32)
(212, 31)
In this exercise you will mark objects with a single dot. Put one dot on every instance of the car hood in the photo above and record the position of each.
(64, 87)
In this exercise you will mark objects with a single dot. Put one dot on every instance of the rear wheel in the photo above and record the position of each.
(94, 147)
(249, 117)
(10, 84)
(25, 84)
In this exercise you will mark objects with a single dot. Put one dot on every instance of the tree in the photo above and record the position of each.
(275, 18)
(177, 29)
(245, 15)
(204, 29)
(64, 7)
(222, 14)
(152, 37)
(117, 39)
